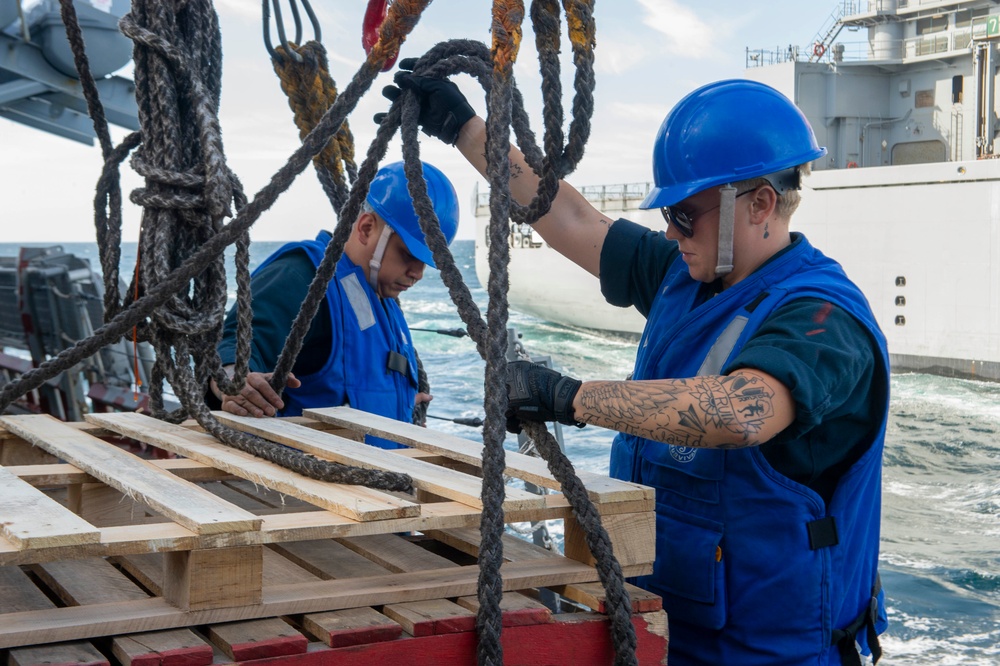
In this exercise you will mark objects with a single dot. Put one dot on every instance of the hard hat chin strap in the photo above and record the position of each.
(727, 216)
(376, 261)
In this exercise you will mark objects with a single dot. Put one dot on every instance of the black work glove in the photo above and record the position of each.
(443, 107)
(536, 393)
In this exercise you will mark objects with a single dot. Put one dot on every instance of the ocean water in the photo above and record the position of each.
(940, 558)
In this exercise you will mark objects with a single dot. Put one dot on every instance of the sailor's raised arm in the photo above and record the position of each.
(573, 227)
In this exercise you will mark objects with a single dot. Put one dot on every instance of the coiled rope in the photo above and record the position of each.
(189, 195)
(191, 191)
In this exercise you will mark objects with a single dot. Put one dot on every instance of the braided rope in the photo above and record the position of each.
(182, 151)
(311, 92)
(506, 109)
(197, 192)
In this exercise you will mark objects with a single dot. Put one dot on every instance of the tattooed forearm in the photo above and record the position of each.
(717, 412)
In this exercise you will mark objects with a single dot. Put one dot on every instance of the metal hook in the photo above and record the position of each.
(280, 25)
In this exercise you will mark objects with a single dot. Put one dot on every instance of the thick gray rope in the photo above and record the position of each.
(474, 58)
(168, 300)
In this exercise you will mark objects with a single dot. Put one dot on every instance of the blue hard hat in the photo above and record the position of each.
(726, 132)
(389, 197)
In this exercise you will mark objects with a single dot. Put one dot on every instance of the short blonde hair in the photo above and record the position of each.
(788, 202)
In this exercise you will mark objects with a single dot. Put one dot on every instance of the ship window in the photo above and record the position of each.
(900, 320)
(919, 152)
(930, 25)
(956, 89)
(900, 280)
(901, 301)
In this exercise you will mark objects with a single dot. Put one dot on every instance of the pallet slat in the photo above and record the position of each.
(31, 519)
(182, 502)
(531, 469)
(426, 476)
(356, 502)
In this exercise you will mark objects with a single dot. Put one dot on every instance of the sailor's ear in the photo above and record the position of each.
(366, 227)
(763, 203)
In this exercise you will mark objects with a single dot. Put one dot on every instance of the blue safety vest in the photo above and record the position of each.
(753, 567)
(375, 366)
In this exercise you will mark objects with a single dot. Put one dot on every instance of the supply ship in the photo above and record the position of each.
(903, 95)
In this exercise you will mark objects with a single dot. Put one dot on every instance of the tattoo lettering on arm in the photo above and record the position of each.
(515, 170)
(737, 404)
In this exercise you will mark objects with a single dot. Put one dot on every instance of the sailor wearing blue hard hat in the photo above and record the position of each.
(358, 349)
(758, 402)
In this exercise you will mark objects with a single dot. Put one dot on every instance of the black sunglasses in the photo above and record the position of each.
(684, 221)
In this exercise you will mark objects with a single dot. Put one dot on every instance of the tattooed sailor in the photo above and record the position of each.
(758, 403)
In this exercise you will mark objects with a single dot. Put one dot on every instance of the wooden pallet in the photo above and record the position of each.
(99, 542)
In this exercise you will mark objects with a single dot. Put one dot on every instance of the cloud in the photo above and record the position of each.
(617, 57)
(687, 34)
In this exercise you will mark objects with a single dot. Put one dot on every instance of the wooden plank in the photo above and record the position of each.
(328, 559)
(181, 501)
(89, 581)
(30, 519)
(591, 595)
(97, 581)
(62, 474)
(395, 553)
(534, 470)
(103, 506)
(19, 595)
(356, 502)
(270, 498)
(71, 654)
(16, 451)
(594, 596)
(146, 569)
(176, 647)
(431, 617)
(352, 626)
(468, 541)
(632, 539)
(516, 610)
(60, 624)
(257, 639)
(426, 476)
(279, 570)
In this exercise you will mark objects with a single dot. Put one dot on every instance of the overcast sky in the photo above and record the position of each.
(649, 54)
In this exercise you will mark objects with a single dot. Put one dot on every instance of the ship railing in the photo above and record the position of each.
(958, 40)
(906, 4)
(942, 43)
(625, 196)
